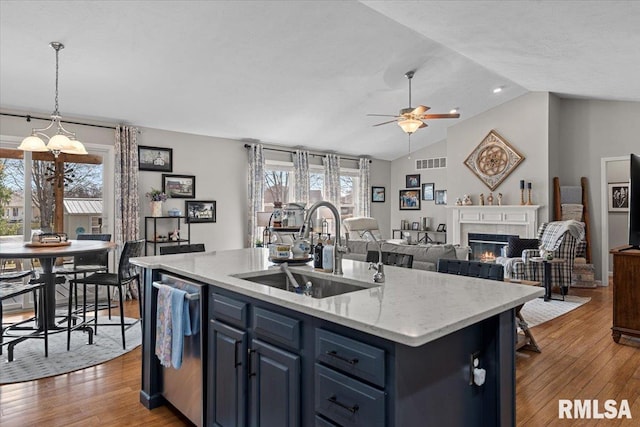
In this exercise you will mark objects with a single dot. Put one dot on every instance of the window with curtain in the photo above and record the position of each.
(278, 184)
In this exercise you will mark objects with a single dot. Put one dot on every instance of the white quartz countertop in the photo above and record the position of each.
(412, 307)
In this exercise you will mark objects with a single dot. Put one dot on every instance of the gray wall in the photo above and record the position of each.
(618, 222)
(590, 131)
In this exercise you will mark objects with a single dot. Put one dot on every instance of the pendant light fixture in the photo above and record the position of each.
(63, 141)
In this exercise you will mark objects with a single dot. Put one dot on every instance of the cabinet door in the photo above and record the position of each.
(275, 386)
(227, 392)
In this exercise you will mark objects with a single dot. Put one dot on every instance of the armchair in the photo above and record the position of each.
(560, 237)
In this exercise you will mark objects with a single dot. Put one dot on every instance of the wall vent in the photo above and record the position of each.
(434, 163)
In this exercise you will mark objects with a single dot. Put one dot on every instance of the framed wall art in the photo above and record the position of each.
(179, 186)
(619, 197)
(200, 210)
(427, 191)
(158, 159)
(409, 200)
(441, 197)
(413, 181)
(377, 194)
(493, 160)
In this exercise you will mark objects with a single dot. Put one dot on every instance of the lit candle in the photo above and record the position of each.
(522, 184)
(529, 185)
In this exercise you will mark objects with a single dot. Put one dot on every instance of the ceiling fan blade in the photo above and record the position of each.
(440, 116)
(382, 115)
(420, 110)
(384, 123)
(423, 125)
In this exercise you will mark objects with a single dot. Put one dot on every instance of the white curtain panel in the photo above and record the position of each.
(332, 179)
(127, 215)
(256, 191)
(363, 204)
(301, 172)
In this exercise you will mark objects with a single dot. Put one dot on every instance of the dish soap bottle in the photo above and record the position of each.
(317, 254)
(327, 256)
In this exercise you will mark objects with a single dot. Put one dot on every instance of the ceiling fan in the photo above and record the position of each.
(411, 119)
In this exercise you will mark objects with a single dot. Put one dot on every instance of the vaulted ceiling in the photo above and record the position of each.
(306, 74)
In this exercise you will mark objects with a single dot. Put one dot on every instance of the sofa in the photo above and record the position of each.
(425, 257)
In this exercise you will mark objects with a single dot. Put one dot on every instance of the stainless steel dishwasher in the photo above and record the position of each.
(183, 387)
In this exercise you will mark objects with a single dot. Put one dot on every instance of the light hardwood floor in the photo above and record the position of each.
(579, 360)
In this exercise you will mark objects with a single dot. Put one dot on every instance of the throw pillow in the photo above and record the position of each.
(517, 245)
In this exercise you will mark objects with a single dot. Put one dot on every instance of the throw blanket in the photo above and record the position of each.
(550, 240)
(173, 323)
(572, 211)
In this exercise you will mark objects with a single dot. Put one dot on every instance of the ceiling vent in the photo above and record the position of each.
(434, 163)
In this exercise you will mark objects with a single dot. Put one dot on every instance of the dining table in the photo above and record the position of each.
(47, 255)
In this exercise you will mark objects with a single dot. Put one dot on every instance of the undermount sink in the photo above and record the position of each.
(310, 285)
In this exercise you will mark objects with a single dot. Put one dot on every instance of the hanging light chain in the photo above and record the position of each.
(57, 46)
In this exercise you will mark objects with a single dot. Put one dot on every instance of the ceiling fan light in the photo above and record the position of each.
(32, 143)
(409, 125)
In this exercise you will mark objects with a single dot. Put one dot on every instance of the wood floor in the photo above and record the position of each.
(579, 360)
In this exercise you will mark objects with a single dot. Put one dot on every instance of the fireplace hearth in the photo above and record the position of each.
(487, 247)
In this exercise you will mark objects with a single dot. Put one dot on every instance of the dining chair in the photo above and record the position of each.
(12, 284)
(86, 263)
(181, 249)
(127, 273)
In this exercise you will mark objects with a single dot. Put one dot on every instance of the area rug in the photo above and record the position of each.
(29, 362)
(538, 311)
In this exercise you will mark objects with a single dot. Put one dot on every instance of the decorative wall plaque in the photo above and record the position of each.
(493, 160)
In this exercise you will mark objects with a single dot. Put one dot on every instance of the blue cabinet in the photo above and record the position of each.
(275, 386)
(227, 375)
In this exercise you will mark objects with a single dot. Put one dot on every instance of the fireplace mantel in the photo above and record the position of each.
(507, 219)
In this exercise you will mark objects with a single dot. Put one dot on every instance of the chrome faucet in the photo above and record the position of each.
(338, 249)
(378, 277)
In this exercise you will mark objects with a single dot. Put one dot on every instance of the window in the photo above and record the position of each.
(278, 180)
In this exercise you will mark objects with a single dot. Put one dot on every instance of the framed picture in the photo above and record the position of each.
(415, 226)
(442, 227)
(200, 210)
(179, 186)
(413, 181)
(156, 159)
(441, 197)
(409, 200)
(619, 197)
(377, 194)
(427, 191)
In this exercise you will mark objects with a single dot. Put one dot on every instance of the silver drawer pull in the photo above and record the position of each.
(353, 409)
(335, 354)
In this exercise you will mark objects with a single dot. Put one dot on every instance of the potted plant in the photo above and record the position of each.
(157, 197)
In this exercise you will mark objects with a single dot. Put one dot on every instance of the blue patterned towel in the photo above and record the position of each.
(173, 322)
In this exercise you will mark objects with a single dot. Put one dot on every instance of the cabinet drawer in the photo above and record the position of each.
(351, 356)
(321, 422)
(276, 327)
(346, 401)
(229, 310)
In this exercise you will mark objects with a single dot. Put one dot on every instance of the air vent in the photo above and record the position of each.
(435, 163)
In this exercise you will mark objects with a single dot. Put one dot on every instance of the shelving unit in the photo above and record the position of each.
(422, 236)
(278, 232)
(168, 220)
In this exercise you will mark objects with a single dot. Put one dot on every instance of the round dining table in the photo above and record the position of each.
(47, 255)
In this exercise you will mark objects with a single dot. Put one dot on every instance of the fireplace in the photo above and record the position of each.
(487, 247)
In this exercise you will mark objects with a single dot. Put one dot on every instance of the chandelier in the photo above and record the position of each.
(63, 141)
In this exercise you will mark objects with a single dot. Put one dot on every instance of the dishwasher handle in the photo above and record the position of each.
(190, 297)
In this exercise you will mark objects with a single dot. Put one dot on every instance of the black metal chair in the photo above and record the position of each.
(181, 249)
(127, 273)
(392, 258)
(85, 264)
(483, 270)
(12, 285)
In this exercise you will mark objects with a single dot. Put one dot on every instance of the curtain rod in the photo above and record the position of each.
(311, 154)
(29, 117)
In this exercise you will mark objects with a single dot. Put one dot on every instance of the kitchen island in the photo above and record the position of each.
(399, 353)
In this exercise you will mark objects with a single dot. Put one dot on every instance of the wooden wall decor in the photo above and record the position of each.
(493, 160)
